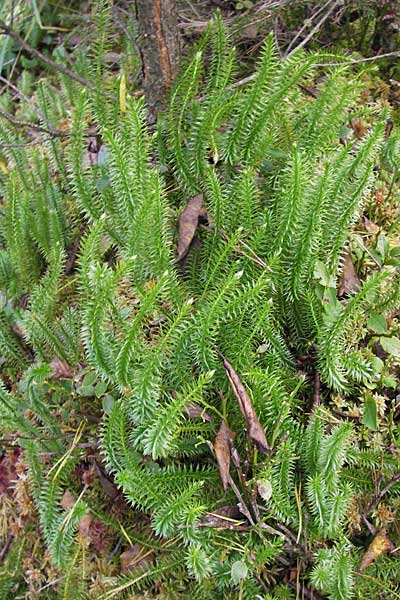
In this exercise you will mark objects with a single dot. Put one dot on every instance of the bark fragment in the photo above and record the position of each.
(159, 47)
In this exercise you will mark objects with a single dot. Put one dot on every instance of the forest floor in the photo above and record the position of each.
(349, 28)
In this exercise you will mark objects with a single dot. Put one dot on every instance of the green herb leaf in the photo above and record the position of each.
(377, 323)
(370, 416)
(239, 571)
(391, 345)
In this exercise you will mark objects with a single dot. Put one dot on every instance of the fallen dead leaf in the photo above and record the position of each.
(68, 500)
(100, 535)
(222, 448)
(91, 152)
(379, 545)
(379, 196)
(194, 411)
(359, 128)
(188, 222)
(254, 429)
(369, 226)
(388, 128)
(133, 556)
(109, 488)
(9, 471)
(84, 526)
(349, 281)
(60, 370)
(226, 517)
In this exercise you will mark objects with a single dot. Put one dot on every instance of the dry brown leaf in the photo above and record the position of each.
(388, 128)
(222, 448)
(379, 545)
(91, 152)
(133, 556)
(84, 526)
(188, 222)
(60, 370)
(349, 281)
(254, 429)
(226, 517)
(68, 500)
(379, 196)
(109, 488)
(194, 411)
(369, 226)
(359, 128)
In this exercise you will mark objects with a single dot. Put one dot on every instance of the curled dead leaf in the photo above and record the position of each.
(349, 281)
(255, 431)
(379, 545)
(188, 222)
(222, 448)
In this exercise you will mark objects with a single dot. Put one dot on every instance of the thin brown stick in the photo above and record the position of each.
(314, 30)
(359, 60)
(305, 25)
(27, 124)
(380, 494)
(44, 59)
(242, 506)
(348, 63)
(28, 100)
(36, 142)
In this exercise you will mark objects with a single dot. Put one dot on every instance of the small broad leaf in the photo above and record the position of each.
(85, 390)
(377, 323)
(108, 404)
(188, 222)
(263, 348)
(322, 275)
(89, 379)
(370, 416)
(239, 571)
(264, 488)
(391, 345)
(377, 365)
(390, 382)
(103, 183)
(102, 156)
(100, 389)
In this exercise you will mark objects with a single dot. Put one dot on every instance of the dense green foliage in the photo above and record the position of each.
(146, 332)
